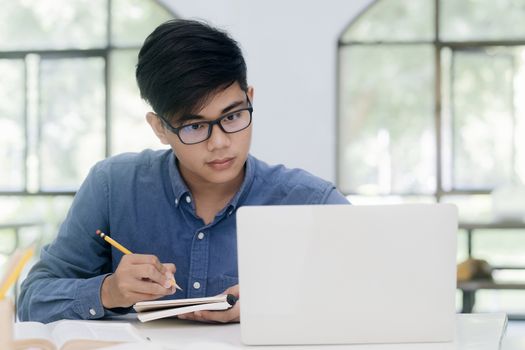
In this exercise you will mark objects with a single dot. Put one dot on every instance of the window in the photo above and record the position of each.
(429, 98)
(68, 97)
(431, 108)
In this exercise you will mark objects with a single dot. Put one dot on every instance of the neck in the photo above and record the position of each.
(212, 192)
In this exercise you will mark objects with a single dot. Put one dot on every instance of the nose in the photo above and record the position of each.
(218, 139)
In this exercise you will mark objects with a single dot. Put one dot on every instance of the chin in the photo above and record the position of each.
(222, 177)
(225, 175)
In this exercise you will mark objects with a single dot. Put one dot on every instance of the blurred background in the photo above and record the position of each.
(393, 100)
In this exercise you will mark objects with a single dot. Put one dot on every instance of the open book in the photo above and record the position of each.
(73, 335)
(152, 310)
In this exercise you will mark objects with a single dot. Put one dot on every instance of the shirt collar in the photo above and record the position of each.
(177, 183)
(180, 189)
(249, 175)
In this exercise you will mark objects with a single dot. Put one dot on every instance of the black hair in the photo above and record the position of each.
(182, 63)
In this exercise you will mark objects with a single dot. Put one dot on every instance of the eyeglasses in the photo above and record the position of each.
(229, 123)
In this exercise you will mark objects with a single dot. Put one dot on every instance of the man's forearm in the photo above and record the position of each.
(46, 299)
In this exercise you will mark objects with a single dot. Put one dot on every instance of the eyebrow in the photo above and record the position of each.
(232, 106)
(188, 117)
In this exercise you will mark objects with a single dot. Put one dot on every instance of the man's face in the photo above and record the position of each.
(219, 159)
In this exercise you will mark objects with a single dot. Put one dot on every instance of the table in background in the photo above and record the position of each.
(469, 288)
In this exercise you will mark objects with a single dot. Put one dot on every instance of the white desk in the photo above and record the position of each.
(473, 331)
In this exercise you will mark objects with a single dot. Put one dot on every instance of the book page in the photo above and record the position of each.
(96, 331)
(32, 334)
(164, 304)
(153, 315)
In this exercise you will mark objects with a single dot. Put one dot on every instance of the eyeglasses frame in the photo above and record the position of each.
(210, 123)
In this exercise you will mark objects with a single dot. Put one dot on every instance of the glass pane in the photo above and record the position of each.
(8, 238)
(386, 122)
(46, 211)
(134, 20)
(509, 276)
(499, 247)
(482, 20)
(486, 107)
(3, 261)
(381, 200)
(26, 25)
(472, 208)
(519, 114)
(130, 131)
(12, 136)
(394, 20)
(509, 301)
(462, 248)
(72, 120)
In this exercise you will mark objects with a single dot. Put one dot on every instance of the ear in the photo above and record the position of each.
(250, 93)
(158, 128)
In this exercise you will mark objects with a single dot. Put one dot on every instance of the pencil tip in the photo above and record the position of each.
(174, 284)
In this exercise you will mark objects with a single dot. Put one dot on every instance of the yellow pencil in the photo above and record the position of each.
(126, 251)
(16, 270)
(114, 243)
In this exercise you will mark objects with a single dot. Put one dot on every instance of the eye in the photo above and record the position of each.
(233, 116)
(194, 127)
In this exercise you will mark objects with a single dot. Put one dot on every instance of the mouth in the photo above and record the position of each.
(221, 164)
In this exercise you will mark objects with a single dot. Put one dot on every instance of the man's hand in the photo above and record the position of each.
(138, 277)
(231, 315)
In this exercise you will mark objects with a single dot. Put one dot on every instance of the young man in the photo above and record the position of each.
(174, 209)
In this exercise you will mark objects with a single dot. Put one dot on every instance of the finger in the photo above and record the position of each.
(146, 271)
(194, 316)
(170, 273)
(212, 316)
(144, 287)
(188, 316)
(198, 317)
(134, 298)
(139, 259)
(171, 268)
(230, 315)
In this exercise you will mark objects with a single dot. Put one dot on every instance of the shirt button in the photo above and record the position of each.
(200, 235)
(188, 199)
(92, 312)
(176, 201)
(196, 285)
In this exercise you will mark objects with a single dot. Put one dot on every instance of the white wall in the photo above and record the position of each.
(290, 47)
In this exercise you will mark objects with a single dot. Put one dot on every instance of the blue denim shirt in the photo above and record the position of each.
(142, 201)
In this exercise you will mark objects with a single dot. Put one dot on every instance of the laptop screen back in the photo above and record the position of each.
(343, 274)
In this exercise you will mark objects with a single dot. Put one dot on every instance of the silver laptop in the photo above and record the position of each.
(344, 274)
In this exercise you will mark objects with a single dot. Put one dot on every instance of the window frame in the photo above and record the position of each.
(439, 45)
(102, 52)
